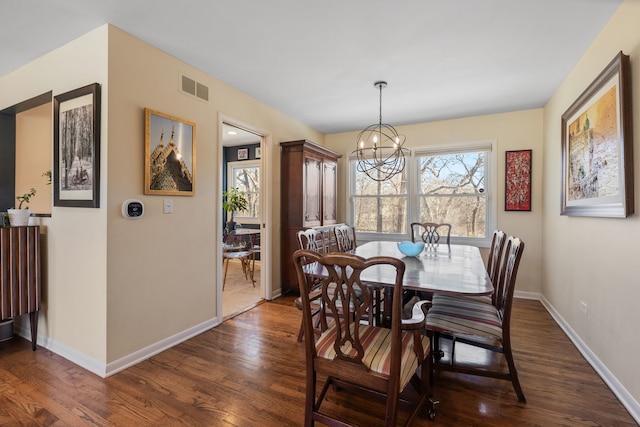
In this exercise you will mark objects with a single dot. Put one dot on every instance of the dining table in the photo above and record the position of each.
(446, 269)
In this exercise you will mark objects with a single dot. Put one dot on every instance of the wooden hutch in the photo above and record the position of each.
(309, 180)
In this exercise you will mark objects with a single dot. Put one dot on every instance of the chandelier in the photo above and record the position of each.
(379, 152)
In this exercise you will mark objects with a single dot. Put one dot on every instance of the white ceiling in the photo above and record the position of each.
(317, 60)
(232, 136)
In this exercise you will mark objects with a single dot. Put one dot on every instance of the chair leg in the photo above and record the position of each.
(252, 269)
(245, 270)
(391, 411)
(513, 373)
(225, 261)
(301, 333)
(433, 355)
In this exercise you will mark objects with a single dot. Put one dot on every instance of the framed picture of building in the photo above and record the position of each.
(76, 148)
(169, 155)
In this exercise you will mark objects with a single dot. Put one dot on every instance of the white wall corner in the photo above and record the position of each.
(80, 359)
(158, 347)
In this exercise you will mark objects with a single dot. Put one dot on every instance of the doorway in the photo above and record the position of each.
(243, 262)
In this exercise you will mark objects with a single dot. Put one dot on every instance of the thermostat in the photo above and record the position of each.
(132, 209)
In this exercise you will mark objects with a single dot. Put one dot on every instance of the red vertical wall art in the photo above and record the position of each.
(517, 192)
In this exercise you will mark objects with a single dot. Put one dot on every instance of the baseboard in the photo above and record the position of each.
(158, 347)
(106, 370)
(616, 387)
(80, 359)
(275, 294)
(527, 295)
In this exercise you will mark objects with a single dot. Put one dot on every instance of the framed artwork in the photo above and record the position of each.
(258, 152)
(597, 147)
(243, 153)
(169, 155)
(76, 148)
(517, 187)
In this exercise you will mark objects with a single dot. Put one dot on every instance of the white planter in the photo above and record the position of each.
(18, 217)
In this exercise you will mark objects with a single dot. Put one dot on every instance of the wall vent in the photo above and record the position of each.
(202, 92)
(194, 88)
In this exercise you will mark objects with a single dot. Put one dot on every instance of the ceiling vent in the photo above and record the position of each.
(194, 88)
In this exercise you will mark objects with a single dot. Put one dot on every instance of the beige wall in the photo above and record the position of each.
(115, 286)
(34, 155)
(511, 131)
(73, 315)
(595, 259)
(162, 269)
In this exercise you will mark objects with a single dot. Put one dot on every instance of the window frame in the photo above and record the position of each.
(413, 185)
(231, 166)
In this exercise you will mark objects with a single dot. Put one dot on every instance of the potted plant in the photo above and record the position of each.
(19, 216)
(234, 201)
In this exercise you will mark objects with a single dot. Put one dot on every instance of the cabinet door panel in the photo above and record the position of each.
(330, 189)
(313, 191)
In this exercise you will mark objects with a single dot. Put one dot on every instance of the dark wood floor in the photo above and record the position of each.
(249, 372)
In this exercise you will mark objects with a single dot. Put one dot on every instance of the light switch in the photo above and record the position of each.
(168, 206)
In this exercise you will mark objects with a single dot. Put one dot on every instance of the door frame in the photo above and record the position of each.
(266, 198)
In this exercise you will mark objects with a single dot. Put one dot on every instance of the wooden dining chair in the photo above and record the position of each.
(345, 237)
(351, 354)
(316, 241)
(431, 233)
(495, 254)
(479, 324)
(493, 270)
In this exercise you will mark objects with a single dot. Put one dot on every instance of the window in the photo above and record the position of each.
(245, 176)
(380, 206)
(451, 184)
(452, 190)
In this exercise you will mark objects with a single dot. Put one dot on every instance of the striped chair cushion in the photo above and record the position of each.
(464, 317)
(452, 298)
(376, 342)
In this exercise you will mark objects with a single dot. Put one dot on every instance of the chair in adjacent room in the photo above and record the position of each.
(431, 233)
(479, 324)
(353, 355)
(254, 249)
(236, 248)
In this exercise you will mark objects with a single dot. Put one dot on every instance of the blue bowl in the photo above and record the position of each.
(410, 248)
